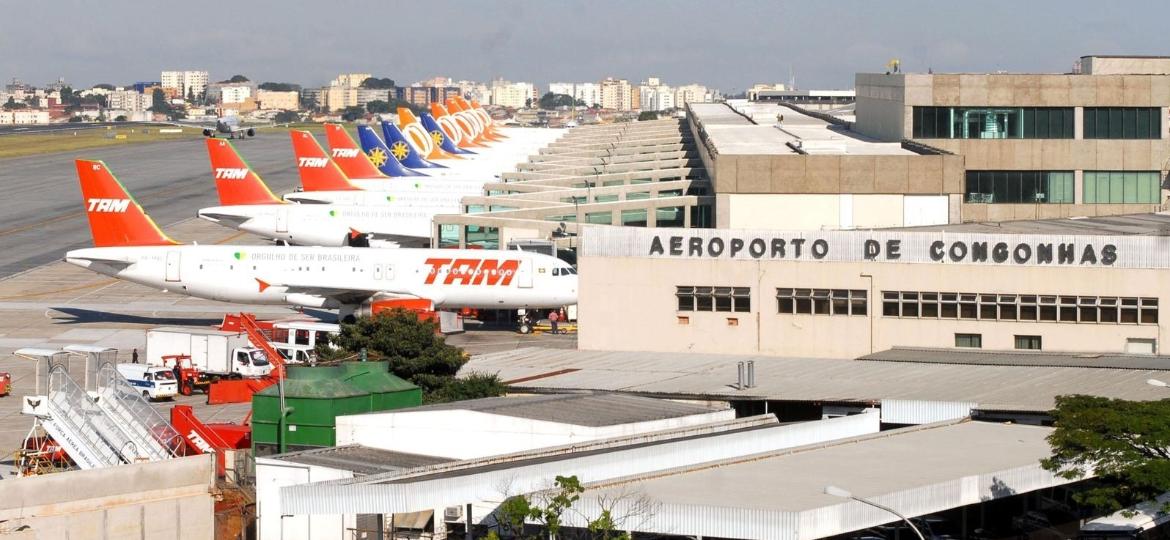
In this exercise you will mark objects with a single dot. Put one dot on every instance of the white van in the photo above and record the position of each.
(154, 382)
(296, 354)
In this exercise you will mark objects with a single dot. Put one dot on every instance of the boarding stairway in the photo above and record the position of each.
(110, 425)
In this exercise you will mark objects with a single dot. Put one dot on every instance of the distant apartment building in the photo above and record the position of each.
(514, 95)
(616, 94)
(269, 100)
(313, 96)
(473, 90)
(184, 83)
(366, 95)
(415, 95)
(693, 93)
(340, 97)
(129, 100)
(234, 93)
(561, 88)
(655, 98)
(587, 93)
(24, 117)
(349, 80)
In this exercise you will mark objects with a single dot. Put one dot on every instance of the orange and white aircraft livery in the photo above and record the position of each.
(129, 246)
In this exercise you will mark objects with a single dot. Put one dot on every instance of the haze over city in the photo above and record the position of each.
(727, 45)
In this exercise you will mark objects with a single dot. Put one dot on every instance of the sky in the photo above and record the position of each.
(727, 45)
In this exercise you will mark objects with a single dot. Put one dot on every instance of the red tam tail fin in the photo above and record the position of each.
(115, 218)
(347, 155)
(235, 181)
(318, 172)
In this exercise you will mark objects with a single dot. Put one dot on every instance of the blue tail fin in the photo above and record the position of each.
(402, 150)
(445, 142)
(380, 154)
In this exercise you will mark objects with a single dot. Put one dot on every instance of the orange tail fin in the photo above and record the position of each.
(115, 218)
(406, 119)
(235, 181)
(318, 172)
(347, 155)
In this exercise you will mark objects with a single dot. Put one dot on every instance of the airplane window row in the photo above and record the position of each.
(564, 271)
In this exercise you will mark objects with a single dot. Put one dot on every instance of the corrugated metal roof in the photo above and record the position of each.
(579, 409)
(1022, 358)
(362, 460)
(998, 387)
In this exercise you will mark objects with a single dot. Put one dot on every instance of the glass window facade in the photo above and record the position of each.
(599, 218)
(1017, 187)
(822, 301)
(1122, 123)
(669, 216)
(993, 123)
(1030, 343)
(702, 216)
(707, 298)
(484, 237)
(1113, 187)
(634, 218)
(448, 235)
(970, 341)
(1020, 307)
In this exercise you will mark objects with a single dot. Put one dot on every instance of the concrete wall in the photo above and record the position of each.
(448, 433)
(609, 285)
(1113, 65)
(881, 105)
(163, 500)
(858, 174)
(829, 211)
(273, 474)
(1060, 154)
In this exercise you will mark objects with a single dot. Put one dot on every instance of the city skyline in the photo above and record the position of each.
(680, 43)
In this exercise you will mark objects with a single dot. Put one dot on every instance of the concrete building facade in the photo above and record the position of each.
(273, 100)
(184, 83)
(1064, 286)
(510, 94)
(1036, 145)
(616, 94)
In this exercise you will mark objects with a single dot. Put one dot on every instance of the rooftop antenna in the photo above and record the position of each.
(791, 79)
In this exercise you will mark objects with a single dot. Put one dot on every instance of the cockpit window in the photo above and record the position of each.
(567, 271)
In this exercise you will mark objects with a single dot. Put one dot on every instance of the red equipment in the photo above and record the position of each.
(189, 377)
(200, 438)
(5, 383)
(241, 390)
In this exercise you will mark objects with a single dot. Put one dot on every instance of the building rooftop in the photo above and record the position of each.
(1125, 225)
(996, 382)
(739, 127)
(577, 409)
(361, 460)
(983, 357)
(869, 466)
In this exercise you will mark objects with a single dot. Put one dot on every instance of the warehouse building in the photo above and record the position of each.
(1082, 285)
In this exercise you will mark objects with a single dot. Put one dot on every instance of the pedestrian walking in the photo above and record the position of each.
(134, 356)
(552, 320)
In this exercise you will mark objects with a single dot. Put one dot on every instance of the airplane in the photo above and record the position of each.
(448, 137)
(356, 162)
(227, 125)
(403, 150)
(424, 140)
(246, 204)
(325, 183)
(128, 245)
(385, 157)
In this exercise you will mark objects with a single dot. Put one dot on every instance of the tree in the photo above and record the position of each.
(191, 94)
(12, 104)
(648, 115)
(309, 102)
(374, 82)
(547, 510)
(158, 101)
(75, 119)
(1125, 443)
(66, 94)
(349, 114)
(238, 79)
(528, 103)
(555, 101)
(415, 353)
(279, 87)
(120, 118)
(104, 86)
(378, 107)
(286, 117)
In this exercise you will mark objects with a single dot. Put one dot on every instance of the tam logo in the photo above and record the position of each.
(231, 174)
(345, 152)
(199, 442)
(472, 271)
(109, 205)
(312, 162)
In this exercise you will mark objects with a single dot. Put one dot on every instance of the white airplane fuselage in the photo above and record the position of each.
(344, 278)
(386, 192)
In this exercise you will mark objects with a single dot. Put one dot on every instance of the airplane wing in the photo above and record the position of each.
(118, 262)
(344, 295)
(401, 240)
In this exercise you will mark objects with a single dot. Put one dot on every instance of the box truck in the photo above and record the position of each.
(216, 354)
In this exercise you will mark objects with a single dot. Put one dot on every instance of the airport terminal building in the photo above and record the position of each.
(1079, 285)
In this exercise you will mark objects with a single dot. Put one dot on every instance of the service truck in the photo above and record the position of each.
(215, 353)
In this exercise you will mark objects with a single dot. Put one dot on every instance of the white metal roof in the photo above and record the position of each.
(995, 387)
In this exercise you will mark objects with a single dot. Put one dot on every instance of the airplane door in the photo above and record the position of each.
(524, 274)
(173, 265)
(282, 220)
(377, 271)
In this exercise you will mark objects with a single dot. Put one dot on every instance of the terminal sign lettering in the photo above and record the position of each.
(888, 249)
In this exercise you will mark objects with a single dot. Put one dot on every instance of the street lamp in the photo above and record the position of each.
(845, 494)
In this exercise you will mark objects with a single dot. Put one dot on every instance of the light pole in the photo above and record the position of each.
(838, 492)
